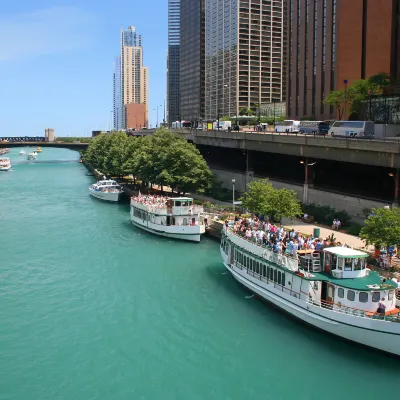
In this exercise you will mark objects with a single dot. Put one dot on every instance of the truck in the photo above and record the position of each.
(223, 125)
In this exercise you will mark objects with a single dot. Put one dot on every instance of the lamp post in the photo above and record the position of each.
(233, 193)
(157, 115)
(305, 188)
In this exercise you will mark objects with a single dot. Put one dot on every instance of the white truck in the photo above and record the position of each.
(223, 125)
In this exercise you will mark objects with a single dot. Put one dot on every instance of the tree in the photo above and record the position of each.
(336, 99)
(382, 228)
(262, 198)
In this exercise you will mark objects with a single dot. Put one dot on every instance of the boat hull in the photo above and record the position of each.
(189, 233)
(106, 196)
(377, 334)
(5, 168)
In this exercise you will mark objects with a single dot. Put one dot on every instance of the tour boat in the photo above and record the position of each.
(4, 151)
(22, 153)
(107, 190)
(31, 156)
(39, 150)
(332, 290)
(5, 164)
(176, 218)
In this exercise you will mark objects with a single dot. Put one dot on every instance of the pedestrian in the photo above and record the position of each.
(381, 307)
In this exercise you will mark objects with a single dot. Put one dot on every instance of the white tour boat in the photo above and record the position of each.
(32, 156)
(176, 217)
(332, 290)
(107, 190)
(5, 164)
(22, 152)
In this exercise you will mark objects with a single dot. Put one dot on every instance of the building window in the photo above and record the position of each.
(351, 295)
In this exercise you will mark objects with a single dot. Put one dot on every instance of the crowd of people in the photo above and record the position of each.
(155, 201)
(275, 237)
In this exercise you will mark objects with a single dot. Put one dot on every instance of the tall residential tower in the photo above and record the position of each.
(131, 83)
(244, 55)
(173, 92)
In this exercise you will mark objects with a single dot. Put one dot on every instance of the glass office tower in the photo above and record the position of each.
(192, 60)
(173, 63)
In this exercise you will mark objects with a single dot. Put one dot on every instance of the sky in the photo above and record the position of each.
(56, 62)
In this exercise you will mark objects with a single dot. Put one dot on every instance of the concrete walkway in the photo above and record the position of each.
(341, 237)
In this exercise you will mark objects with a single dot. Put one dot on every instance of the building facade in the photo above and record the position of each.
(49, 135)
(136, 116)
(395, 67)
(192, 51)
(244, 55)
(173, 63)
(332, 43)
(117, 97)
(130, 77)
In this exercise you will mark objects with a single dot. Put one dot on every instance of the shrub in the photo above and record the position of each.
(354, 229)
(325, 214)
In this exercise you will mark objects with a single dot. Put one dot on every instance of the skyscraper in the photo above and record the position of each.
(130, 80)
(117, 103)
(244, 55)
(332, 43)
(192, 47)
(173, 92)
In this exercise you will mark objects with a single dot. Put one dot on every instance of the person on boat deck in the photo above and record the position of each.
(381, 307)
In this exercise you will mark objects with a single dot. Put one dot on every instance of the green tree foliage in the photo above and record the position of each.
(382, 228)
(164, 159)
(262, 198)
(359, 91)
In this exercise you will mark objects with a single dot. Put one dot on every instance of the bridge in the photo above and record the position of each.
(34, 143)
(381, 153)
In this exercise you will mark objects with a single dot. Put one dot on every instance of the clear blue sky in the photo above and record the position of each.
(56, 62)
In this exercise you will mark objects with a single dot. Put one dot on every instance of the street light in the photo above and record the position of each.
(395, 177)
(233, 193)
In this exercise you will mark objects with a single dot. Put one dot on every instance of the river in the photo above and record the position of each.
(93, 308)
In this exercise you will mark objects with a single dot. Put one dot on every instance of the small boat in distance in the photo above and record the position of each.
(22, 152)
(177, 218)
(31, 156)
(5, 164)
(107, 190)
(4, 151)
(39, 149)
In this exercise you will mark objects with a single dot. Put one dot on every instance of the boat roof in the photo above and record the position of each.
(346, 252)
(181, 198)
(107, 181)
(371, 282)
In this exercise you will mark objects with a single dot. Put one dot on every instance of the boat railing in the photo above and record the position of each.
(356, 312)
(285, 260)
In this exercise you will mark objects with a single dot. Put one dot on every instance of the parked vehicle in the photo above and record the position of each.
(352, 129)
(314, 127)
(288, 126)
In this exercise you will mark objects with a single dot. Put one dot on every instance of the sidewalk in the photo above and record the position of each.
(341, 237)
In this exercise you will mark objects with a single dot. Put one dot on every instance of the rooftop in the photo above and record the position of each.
(369, 283)
(346, 252)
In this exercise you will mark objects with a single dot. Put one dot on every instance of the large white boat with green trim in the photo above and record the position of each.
(174, 217)
(332, 290)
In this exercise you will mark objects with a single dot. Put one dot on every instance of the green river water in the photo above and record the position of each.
(93, 308)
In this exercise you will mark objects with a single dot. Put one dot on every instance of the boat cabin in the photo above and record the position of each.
(107, 183)
(344, 263)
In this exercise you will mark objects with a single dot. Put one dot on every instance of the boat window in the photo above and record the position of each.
(340, 293)
(351, 295)
(275, 275)
(184, 221)
(390, 295)
(348, 264)
(283, 279)
(363, 297)
(177, 204)
(257, 267)
(340, 263)
(279, 277)
(264, 270)
(376, 296)
(271, 273)
(357, 264)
